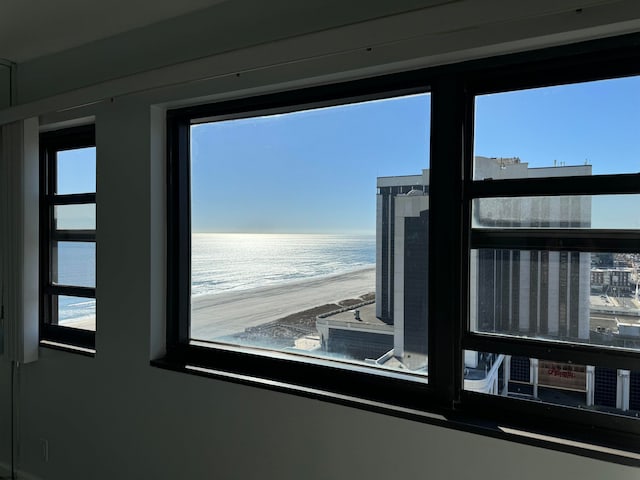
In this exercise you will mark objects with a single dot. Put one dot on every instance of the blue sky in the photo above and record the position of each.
(597, 122)
(307, 172)
(77, 171)
(76, 174)
(315, 171)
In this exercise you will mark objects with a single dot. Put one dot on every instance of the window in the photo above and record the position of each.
(504, 197)
(293, 214)
(554, 245)
(68, 231)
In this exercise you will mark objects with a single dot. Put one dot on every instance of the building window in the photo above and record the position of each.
(501, 204)
(68, 232)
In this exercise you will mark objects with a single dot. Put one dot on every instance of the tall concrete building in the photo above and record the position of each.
(541, 293)
(530, 292)
(402, 262)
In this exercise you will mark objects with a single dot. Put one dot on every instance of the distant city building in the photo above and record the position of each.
(612, 280)
(602, 260)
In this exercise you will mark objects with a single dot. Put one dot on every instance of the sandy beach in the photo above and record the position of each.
(229, 313)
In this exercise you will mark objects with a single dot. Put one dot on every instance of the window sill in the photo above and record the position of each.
(87, 352)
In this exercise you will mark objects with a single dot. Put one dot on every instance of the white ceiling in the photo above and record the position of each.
(34, 28)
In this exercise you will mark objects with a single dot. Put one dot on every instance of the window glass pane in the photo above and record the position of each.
(590, 387)
(310, 229)
(76, 171)
(584, 211)
(589, 128)
(74, 263)
(76, 312)
(75, 217)
(569, 296)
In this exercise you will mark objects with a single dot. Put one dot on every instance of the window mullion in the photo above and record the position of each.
(71, 290)
(576, 240)
(567, 352)
(446, 250)
(72, 199)
(577, 185)
(179, 238)
(74, 235)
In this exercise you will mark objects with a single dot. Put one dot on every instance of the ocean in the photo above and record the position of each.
(77, 267)
(223, 262)
(229, 261)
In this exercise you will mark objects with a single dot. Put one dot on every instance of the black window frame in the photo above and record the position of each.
(452, 189)
(51, 143)
(239, 361)
(591, 61)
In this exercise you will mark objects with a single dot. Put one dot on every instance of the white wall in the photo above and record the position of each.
(115, 416)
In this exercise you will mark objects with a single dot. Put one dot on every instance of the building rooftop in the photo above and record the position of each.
(367, 315)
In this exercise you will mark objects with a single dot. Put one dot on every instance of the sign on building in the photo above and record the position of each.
(562, 375)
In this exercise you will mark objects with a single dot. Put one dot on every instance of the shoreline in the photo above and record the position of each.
(196, 298)
(228, 313)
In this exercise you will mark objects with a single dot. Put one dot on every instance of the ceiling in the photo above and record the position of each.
(33, 28)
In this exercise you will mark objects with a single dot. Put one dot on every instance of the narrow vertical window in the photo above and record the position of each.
(68, 237)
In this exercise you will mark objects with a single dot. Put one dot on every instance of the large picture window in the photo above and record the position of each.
(286, 214)
(462, 240)
(300, 228)
(68, 246)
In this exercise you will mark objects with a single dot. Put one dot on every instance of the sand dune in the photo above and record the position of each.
(222, 314)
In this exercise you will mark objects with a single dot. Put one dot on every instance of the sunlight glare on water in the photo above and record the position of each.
(224, 262)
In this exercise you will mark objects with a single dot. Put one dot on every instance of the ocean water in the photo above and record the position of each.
(227, 262)
(77, 267)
